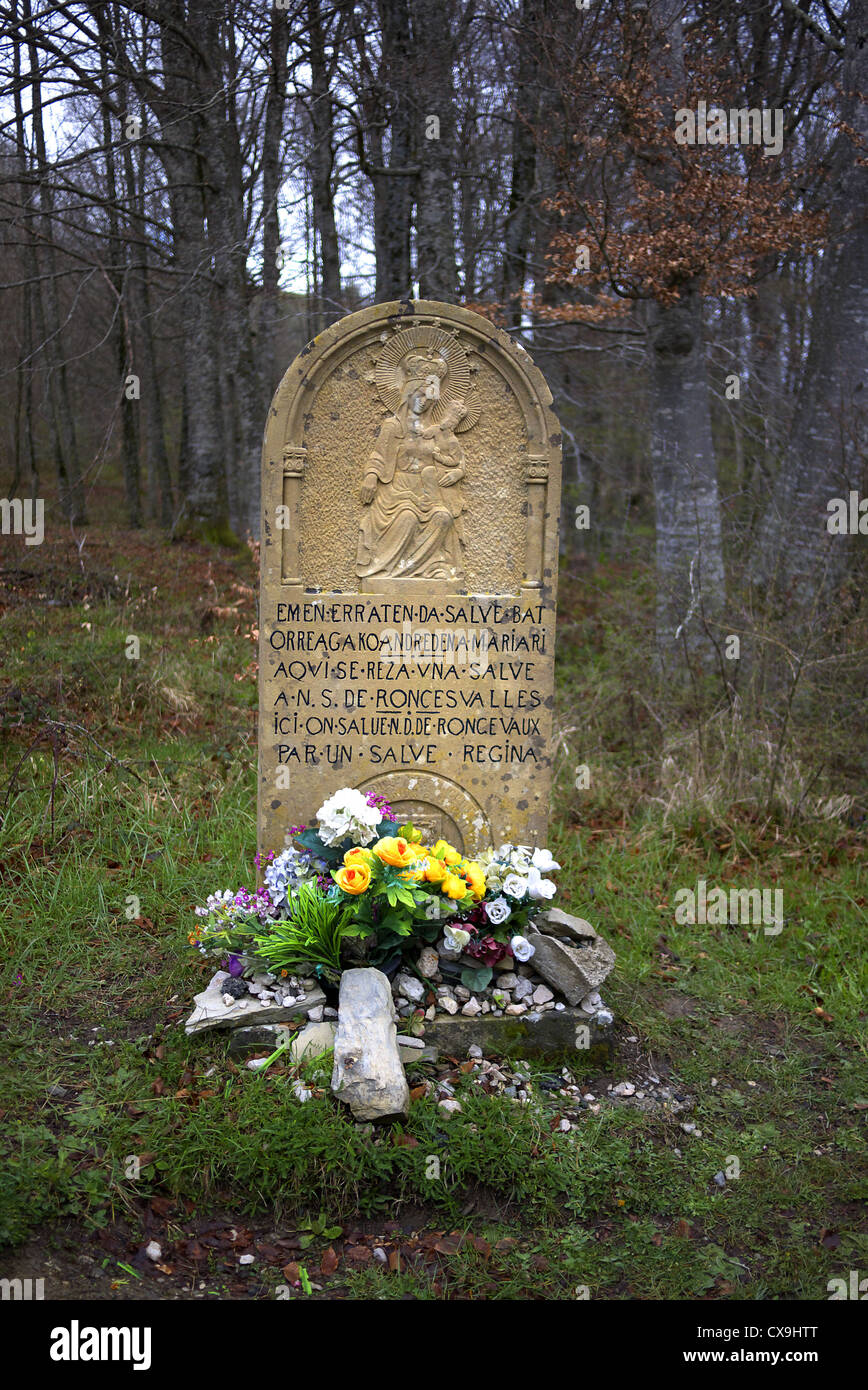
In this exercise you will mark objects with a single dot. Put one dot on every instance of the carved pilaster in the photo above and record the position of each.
(536, 476)
(294, 457)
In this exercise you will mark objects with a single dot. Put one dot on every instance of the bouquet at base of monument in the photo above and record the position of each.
(360, 876)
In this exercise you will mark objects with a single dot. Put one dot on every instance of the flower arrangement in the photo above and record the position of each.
(360, 875)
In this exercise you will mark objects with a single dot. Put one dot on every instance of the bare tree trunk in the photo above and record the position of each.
(49, 324)
(795, 553)
(433, 60)
(186, 88)
(519, 216)
(386, 103)
(690, 570)
(118, 252)
(321, 168)
(271, 177)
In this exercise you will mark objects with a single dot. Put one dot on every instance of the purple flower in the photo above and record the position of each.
(234, 965)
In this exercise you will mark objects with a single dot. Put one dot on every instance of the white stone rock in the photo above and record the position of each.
(246, 1259)
(624, 1088)
(449, 1106)
(428, 963)
(312, 1041)
(462, 993)
(471, 1008)
(516, 1009)
(523, 990)
(508, 980)
(542, 995)
(316, 1013)
(153, 1250)
(410, 988)
(368, 1073)
(449, 1005)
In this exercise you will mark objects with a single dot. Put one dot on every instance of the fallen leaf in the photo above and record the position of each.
(329, 1262)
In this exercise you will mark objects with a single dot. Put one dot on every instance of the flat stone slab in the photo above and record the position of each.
(576, 966)
(210, 1011)
(557, 1030)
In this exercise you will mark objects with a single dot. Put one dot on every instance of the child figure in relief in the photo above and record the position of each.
(447, 466)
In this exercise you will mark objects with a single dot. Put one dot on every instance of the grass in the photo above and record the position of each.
(152, 764)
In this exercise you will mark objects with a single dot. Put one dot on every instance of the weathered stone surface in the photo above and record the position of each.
(211, 1012)
(312, 1041)
(368, 1074)
(557, 1031)
(407, 602)
(573, 970)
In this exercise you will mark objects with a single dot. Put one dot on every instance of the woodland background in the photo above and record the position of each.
(189, 192)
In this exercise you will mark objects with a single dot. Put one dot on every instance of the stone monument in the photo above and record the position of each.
(410, 502)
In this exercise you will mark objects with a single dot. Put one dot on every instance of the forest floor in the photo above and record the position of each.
(127, 792)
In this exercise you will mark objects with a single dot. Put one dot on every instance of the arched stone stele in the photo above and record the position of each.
(410, 499)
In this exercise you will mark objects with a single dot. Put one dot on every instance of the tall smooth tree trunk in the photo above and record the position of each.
(322, 167)
(271, 178)
(433, 66)
(47, 306)
(118, 251)
(188, 84)
(519, 215)
(796, 559)
(691, 581)
(390, 102)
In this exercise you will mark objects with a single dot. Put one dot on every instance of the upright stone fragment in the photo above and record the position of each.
(410, 504)
(574, 969)
(368, 1074)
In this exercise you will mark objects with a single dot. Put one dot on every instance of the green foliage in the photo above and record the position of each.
(311, 936)
(476, 980)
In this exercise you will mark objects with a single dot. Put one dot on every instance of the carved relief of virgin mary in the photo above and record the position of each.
(411, 528)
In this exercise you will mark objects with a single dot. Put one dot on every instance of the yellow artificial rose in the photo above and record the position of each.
(414, 874)
(358, 856)
(436, 870)
(395, 850)
(353, 878)
(475, 876)
(453, 886)
(448, 853)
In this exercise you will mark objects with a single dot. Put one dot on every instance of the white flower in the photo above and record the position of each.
(521, 948)
(542, 860)
(539, 887)
(455, 939)
(514, 886)
(215, 901)
(347, 816)
(497, 911)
